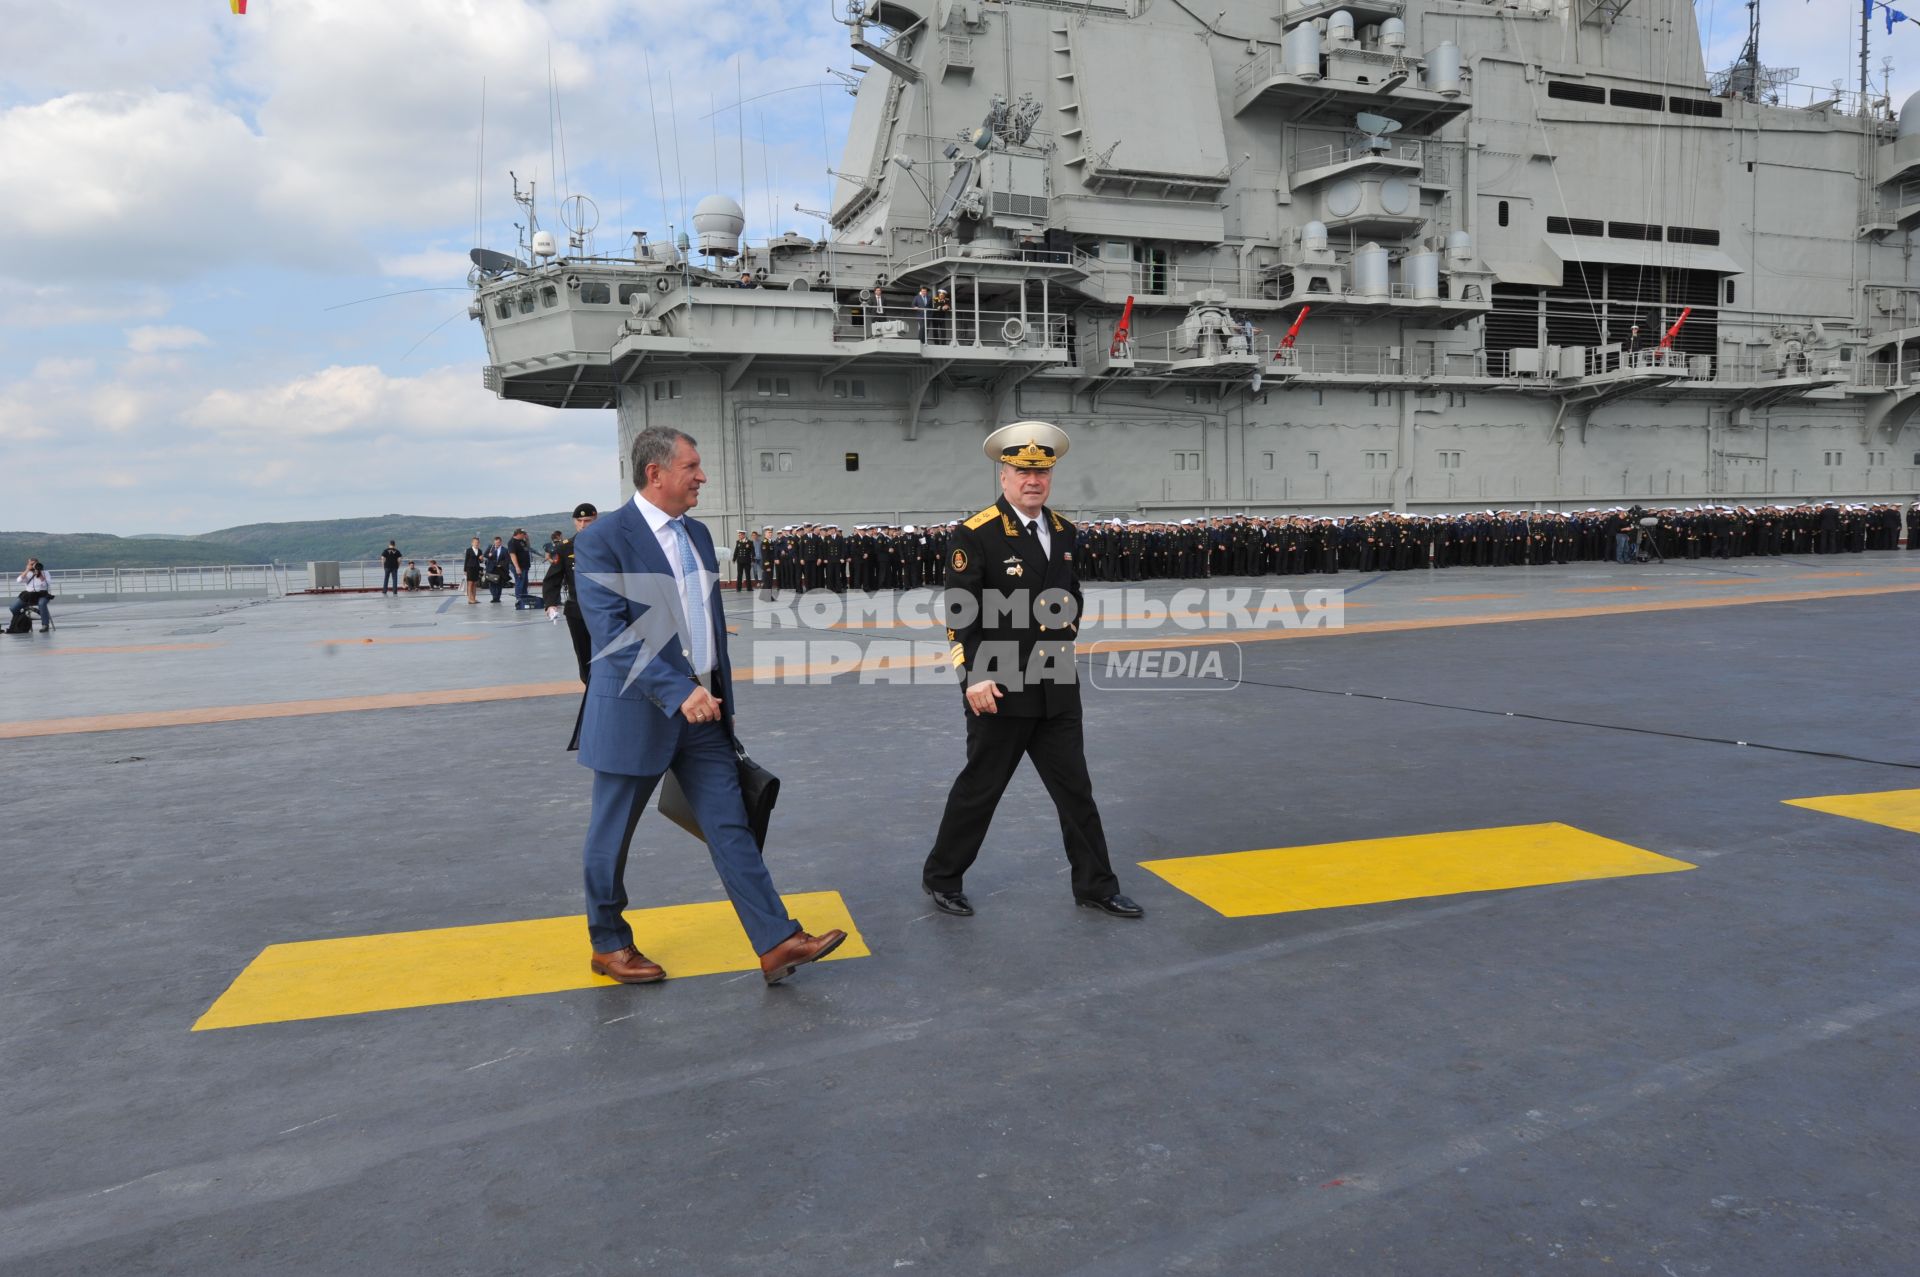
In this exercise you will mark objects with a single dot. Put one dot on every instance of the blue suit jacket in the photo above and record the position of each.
(632, 726)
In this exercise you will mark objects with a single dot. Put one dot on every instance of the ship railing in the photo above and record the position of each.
(951, 252)
(1171, 347)
(1178, 282)
(156, 582)
(1327, 156)
(962, 326)
(367, 574)
(1840, 101)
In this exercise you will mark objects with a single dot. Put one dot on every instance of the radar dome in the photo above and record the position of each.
(543, 245)
(1910, 117)
(718, 222)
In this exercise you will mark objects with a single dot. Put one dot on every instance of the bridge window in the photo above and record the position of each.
(627, 292)
(778, 387)
(503, 308)
(667, 389)
(595, 293)
(526, 303)
(549, 297)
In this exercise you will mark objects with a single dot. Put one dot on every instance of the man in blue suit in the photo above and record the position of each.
(659, 697)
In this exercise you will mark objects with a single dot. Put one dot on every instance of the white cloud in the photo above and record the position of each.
(60, 305)
(150, 338)
(362, 401)
(431, 263)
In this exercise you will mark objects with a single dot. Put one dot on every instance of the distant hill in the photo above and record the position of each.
(345, 539)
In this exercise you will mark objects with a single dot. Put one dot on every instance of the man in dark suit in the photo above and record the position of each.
(1013, 608)
(660, 698)
(498, 565)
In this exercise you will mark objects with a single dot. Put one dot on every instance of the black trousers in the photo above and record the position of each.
(995, 745)
(577, 631)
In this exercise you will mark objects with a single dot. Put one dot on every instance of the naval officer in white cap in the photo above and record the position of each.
(1013, 650)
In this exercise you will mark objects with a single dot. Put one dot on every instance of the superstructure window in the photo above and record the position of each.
(1693, 235)
(1503, 212)
(595, 292)
(1576, 226)
(1313, 461)
(669, 389)
(776, 387)
(1694, 106)
(1638, 100)
(1729, 300)
(549, 297)
(1633, 230)
(503, 308)
(1449, 461)
(1571, 92)
(1266, 461)
(1377, 461)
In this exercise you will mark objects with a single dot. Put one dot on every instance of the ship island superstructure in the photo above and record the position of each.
(1315, 257)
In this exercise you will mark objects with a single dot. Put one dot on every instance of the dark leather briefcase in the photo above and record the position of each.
(758, 789)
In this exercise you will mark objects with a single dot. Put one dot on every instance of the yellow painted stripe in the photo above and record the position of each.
(1895, 808)
(1332, 875)
(352, 975)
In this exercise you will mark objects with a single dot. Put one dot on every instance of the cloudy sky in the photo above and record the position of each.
(189, 201)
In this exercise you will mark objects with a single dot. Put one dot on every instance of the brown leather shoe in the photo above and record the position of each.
(798, 949)
(628, 966)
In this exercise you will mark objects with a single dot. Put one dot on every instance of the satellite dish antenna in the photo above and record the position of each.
(492, 263)
(962, 178)
(1377, 129)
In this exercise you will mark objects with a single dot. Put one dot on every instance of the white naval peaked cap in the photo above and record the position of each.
(1027, 445)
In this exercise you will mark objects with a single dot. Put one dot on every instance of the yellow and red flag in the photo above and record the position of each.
(239, 6)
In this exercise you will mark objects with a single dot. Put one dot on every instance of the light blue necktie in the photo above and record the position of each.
(695, 601)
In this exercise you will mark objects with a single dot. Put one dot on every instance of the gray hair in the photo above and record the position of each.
(655, 447)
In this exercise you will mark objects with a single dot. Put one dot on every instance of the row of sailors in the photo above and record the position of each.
(821, 556)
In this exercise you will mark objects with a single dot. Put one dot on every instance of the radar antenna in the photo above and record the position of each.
(1748, 79)
(1376, 129)
(579, 215)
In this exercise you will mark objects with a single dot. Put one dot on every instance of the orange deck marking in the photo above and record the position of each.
(402, 638)
(1606, 589)
(1468, 598)
(525, 691)
(140, 647)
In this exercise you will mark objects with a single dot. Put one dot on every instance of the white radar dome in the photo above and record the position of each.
(718, 222)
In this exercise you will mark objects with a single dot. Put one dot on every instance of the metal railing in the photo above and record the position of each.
(1171, 346)
(998, 329)
(229, 578)
(1330, 155)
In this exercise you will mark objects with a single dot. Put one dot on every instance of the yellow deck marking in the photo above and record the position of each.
(1894, 808)
(1606, 589)
(1245, 884)
(314, 979)
(402, 638)
(1465, 598)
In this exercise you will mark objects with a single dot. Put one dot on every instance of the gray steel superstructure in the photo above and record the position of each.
(1494, 213)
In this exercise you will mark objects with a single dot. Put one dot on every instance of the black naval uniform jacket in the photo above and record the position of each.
(993, 551)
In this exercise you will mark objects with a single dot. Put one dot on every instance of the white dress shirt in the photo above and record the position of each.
(1041, 530)
(34, 581)
(658, 519)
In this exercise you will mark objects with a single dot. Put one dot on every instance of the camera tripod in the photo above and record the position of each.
(1646, 546)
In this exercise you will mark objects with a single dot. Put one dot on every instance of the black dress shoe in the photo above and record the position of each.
(1117, 905)
(953, 902)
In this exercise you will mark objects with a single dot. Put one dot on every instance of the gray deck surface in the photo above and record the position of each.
(1692, 1073)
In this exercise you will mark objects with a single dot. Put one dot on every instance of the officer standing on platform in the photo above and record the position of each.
(1013, 609)
(583, 514)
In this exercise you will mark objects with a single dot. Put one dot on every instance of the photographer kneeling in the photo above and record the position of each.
(35, 590)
